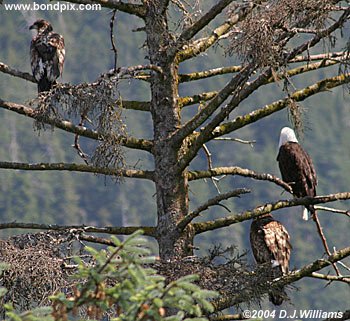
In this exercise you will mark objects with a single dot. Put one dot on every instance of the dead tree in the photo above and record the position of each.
(274, 42)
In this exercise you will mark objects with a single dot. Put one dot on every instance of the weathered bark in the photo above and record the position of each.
(171, 184)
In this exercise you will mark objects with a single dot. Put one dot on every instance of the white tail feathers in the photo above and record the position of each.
(275, 263)
(306, 214)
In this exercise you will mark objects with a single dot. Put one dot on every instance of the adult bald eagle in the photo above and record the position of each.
(47, 54)
(297, 168)
(270, 244)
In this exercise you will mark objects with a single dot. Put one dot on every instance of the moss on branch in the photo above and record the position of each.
(228, 299)
(116, 230)
(202, 227)
(130, 173)
(130, 142)
(300, 95)
(235, 170)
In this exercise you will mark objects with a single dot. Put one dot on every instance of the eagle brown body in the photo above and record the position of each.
(296, 167)
(47, 53)
(270, 243)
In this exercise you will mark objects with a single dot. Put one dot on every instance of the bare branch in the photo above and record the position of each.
(331, 278)
(16, 73)
(131, 70)
(190, 32)
(67, 126)
(332, 210)
(235, 83)
(238, 140)
(190, 100)
(148, 230)
(212, 202)
(96, 239)
(245, 90)
(112, 38)
(201, 45)
(76, 144)
(326, 56)
(209, 73)
(130, 173)
(332, 56)
(319, 36)
(202, 227)
(229, 299)
(323, 239)
(300, 95)
(134, 9)
(235, 170)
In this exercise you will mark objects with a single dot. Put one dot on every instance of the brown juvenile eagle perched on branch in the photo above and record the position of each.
(270, 244)
(46, 55)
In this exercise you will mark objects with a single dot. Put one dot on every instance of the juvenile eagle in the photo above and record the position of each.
(271, 246)
(46, 55)
(297, 168)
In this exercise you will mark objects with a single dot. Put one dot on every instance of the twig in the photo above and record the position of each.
(341, 278)
(114, 48)
(77, 145)
(341, 263)
(333, 210)
(238, 140)
(212, 202)
(210, 166)
(96, 239)
(324, 240)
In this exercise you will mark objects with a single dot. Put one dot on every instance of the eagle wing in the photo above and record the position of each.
(56, 44)
(271, 245)
(47, 57)
(270, 242)
(278, 242)
(297, 169)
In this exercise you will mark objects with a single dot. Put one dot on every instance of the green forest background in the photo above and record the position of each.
(77, 198)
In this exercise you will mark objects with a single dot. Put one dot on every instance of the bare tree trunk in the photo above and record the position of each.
(171, 183)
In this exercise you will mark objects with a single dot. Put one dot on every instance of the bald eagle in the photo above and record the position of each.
(47, 54)
(270, 244)
(297, 168)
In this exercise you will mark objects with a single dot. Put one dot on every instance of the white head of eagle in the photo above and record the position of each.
(287, 135)
(47, 53)
(297, 168)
